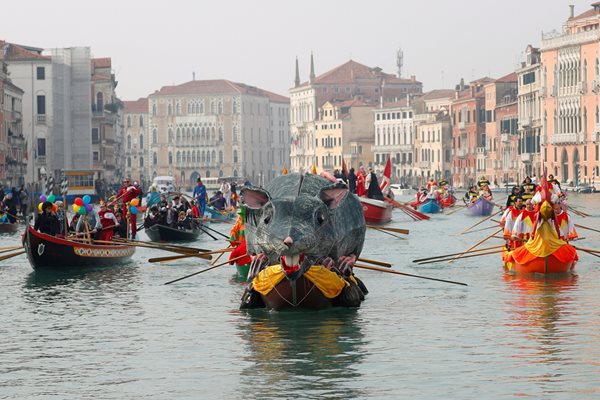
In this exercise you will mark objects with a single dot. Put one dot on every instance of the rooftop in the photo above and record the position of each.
(218, 86)
(139, 106)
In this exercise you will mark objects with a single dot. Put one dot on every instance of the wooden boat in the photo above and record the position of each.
(376, 211)
(218, 216)
(9, 228)
(480, 208)
(163, 233)
(49, 252)
(545, 254)
(448, 201)
(430, 206)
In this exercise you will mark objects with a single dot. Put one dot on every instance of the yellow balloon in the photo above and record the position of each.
(75, 208)
(40, 207)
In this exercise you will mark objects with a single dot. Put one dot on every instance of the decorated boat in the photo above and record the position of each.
(163, 233)
(546, 253)
(218, 216)
(9, 228)
(430, 206)
(376, 211)
(50, 252)
(480, 207)
(448, 201)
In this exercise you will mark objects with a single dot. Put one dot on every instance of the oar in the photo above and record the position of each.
(204, 270)
(375, 262)
(388, 233)
(6, 257)
(217, 232)
(460, 208)
(12, 215)
(584, 249)
(200, 255)
(396, 230)
(580, 213)
(585, 227)
(115, 200)
(483, 229)
(467, 256)
(456, 254)
(589, 252)
(157, 245)
(477, 244)
(482, 221)
(173, 249)
(391, 271)
(11, 249)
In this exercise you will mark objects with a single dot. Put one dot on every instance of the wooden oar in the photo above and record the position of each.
(396, 230)
(593, 253)
(388, 233)
(456, 254)
(580, 213)
(142, 244)
(375, 262)
(200, 255)
(585, 227)
(584, 249)
(459, 209)
(391, 271)
(11, 249)
(482, 221)
(467, 256)
(6, 257)
(204, 270)
(158, 245)
(482, 229)
(477, 244)
(12, 215)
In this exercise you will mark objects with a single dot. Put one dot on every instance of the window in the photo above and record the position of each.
(141, 121)
(154, 136)
(41, 147)
(141, 162)
(153, 109)
(41, 73)
(95, 135)
(41, 105)
(170, 158)
(128, 142)
(170, 109)
(154, 159)
(99, 101)
(129, 121)
(128, 162)
(220, 156)
(96, 156)
(235, 156)
(141, 142)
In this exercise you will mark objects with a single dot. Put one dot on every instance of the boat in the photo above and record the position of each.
(50, 252)
(218, 216)
(480, 208)
(430, 206)
(376, 211)
(163, 233)
(587, 189)
(448, 201)
(9, 228)
(242, 270)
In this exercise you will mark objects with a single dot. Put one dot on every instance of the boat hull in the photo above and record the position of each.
(448, 201)
(539, 265)
(162, 233)
(306, 296)
(480, 208)
(9, 228)
(49, 252)
(376, 211)
(430, 206)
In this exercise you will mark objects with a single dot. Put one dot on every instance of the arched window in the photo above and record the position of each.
(208, 157)
(154, 159)
(235, 134)
(190, 108)
(220, 173)
(141, 162)
(194, 156)
(220, 134)
(128, 142)
(189, 157)
(170, 158)
(178, 157)
(154, 136)
(153, 109)
(235, 173)
(141, 141)
(129, 121)
(201, 107)
(208, 173)
(235, 156)
(99, 102)
(141, 121)
(203, 159)
(178, 109)
(212, 134)
(213, 108)
(220, 156)
(220, 108)
(235, 107)
(213, 156)
(170, 109)
(129, 162)
(188, 134)
(170, 135)
(178, 135)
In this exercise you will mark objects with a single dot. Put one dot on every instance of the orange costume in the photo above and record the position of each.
(565, 227)
(510, 216)
(525, 224)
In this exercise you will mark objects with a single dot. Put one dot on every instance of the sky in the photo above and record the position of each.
(157, 43)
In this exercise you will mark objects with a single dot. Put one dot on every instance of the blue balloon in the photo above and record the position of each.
(133, 210)
(86, 199)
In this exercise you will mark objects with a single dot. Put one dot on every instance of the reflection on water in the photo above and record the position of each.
(302, 351)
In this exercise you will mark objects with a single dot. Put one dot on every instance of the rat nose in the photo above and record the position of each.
(288, 241)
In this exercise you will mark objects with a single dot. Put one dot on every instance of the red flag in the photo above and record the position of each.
(344, 169)
(387, 176)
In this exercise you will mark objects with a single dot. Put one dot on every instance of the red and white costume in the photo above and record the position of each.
(525, 224)
(565, 226)
(129, 193)
(108, 222)
(508, 220)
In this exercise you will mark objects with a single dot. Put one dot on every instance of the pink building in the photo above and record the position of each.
(570, 87)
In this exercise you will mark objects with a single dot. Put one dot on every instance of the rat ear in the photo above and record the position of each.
(334, 194)
(255, 198)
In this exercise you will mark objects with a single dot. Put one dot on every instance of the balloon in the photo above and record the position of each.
(81, 211)
(87, 199)
(51, 198)
(135, 202)
(40, 207)
(42, 198)
(89, 207)
(133, 210)
(54, 207)
(78, 201)
(76, 208)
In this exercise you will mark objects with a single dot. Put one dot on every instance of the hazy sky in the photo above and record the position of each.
(156, 43)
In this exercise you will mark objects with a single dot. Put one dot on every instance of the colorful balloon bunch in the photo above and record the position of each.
(51, 198)
(133, 206)
(82, 206)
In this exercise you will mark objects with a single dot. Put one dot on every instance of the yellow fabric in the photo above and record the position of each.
(329, 283)
(545, 241)
(285, 171)
(314, 169)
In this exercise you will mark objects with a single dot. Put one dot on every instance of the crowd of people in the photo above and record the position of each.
(13, 204)
(441, 191)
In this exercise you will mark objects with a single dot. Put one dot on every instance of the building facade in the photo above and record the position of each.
(570, 87)
(13, 161)
(216, 128)
(135, 141)
(348, 81)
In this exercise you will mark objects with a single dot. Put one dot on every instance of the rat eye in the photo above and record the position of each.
(267, 219)
(320, 217)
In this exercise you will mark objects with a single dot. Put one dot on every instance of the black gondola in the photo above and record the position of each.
(9, 228)
(163, 233)
(49, 252)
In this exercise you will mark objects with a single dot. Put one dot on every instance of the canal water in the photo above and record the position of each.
(120, 333)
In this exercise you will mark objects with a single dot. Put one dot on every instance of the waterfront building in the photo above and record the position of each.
(135, 139)
(571, 109)
(348, 81)
(13, 160)
(217, 128)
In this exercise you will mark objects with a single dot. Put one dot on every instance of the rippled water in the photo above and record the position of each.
(119, 333)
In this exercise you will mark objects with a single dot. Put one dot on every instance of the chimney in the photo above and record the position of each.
(312, 69)
(572, 11)
(193, 76)
(297, 79)
(472, 90)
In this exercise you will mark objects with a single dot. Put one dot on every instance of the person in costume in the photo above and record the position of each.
(525, 224)
(516, 191)
(361, 189)
(528, 189)
(108, 220)
(47, 222)
(199, 195)
(127, 193)
(508, 220)
(483, 181)
(373, 191)
(472, 195)
(237, 238)
(564, 224)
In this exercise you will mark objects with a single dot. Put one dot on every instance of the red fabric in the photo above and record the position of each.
(240, 250)
(360, 185)
(195, 211)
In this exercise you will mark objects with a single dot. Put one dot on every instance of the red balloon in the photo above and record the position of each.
(54, 207)
(78, 201)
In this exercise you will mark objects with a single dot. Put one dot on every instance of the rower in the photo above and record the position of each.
(564, 224)
(525, 224)
(508, 220)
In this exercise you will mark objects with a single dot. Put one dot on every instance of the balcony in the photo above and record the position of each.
(567, 138)
(462, 152)
(505, 137)
(481, 151)
(525, 157)
(553, 42)
(41, 119)
(461, 125)
(424, 164)
(16, 115)
(525, 122)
